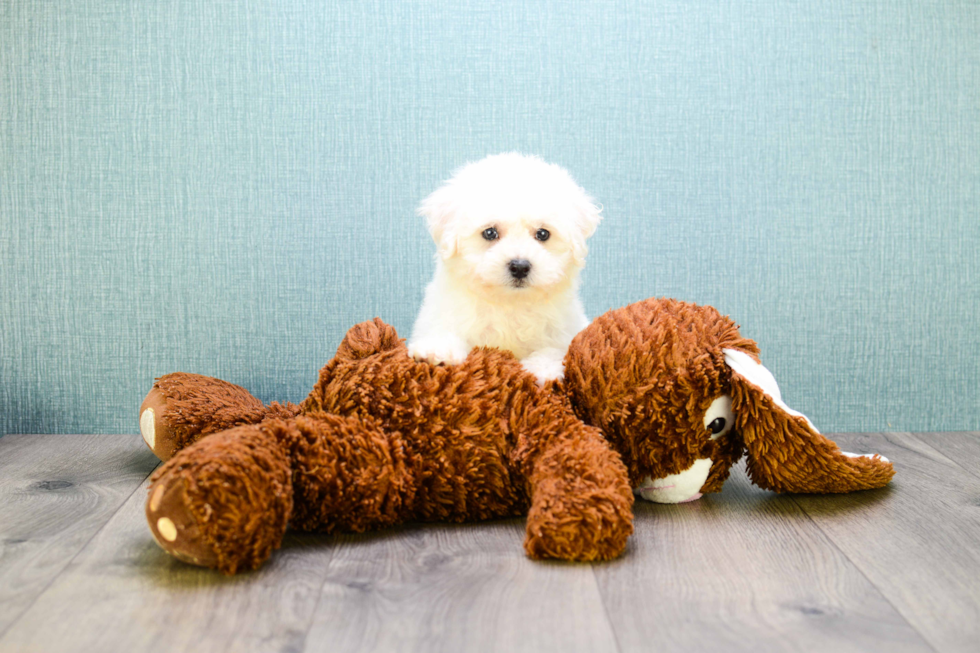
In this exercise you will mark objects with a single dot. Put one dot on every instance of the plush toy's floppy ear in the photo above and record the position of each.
(785, 451)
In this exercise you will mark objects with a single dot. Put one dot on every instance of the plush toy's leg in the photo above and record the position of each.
(182, 408)
(224, 501)
(581, 501)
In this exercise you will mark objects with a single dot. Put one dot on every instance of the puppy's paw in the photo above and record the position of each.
(545, 364)
(448, 349)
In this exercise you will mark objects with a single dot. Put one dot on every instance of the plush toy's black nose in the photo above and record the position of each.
(519, 268)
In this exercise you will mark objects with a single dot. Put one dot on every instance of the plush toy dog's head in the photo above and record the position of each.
(682, 396)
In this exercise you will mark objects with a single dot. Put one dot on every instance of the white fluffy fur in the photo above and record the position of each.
(473, 300)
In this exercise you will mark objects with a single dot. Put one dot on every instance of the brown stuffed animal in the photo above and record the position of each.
(383, 439)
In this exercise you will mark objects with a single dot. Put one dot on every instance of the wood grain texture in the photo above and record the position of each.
(456, 588)
(963, 448)
(123, 593)
(919, 545)
(886, 570)
(56, 492)
(744, 570)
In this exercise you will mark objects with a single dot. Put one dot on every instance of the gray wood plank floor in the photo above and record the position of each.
(896, 569)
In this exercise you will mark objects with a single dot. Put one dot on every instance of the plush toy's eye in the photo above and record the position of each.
(542, 234)
(490, 234)
(719, 418)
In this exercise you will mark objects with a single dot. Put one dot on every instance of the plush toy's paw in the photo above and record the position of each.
(590, 526)
(182, 408)
(578, 541)
(155, 428)
(450, 350)
(545, 364)
(174, 527)
(224, 501)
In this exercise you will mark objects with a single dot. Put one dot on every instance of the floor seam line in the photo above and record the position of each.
(937, 451)
(860, 570)
(319, 599)
(605, 608)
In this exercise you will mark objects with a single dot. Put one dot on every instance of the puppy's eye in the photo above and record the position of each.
(490, 234)
(717, 425)
(542, 234)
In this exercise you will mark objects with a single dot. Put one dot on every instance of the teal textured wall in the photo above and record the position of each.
(225, 187)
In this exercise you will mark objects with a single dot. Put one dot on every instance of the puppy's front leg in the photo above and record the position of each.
(438, 347)
(546, 364)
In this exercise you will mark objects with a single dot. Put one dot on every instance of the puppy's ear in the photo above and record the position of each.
(439, 210)
(587, 218)
(785, 451)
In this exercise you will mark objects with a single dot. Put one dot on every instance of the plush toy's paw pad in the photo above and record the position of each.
(155, 431)
(173, 525)
(148, 426)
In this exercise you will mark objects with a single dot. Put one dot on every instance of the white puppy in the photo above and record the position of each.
(510, 231)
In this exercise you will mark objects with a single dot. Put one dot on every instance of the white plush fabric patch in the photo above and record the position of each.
(760, 377)
(864, 455)
(676, 488)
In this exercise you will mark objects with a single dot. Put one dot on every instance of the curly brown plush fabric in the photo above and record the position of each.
(236, 490)
(186, 407)
(645, 374)
(787, 455)
(384, 439)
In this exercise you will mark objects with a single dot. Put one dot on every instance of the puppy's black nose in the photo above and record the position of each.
(519, 268)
